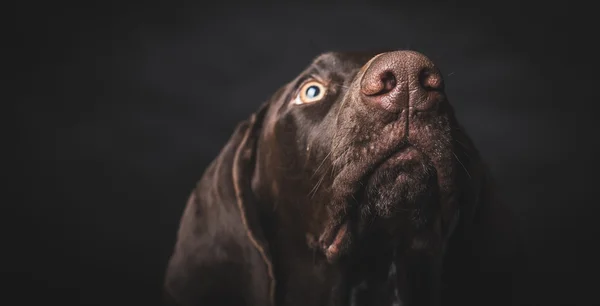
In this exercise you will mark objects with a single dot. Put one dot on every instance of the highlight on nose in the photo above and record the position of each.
(399, 79)
(430, 79)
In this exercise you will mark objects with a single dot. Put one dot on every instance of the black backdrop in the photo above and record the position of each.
(121, 106)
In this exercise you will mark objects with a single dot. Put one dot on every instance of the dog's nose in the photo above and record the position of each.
(401, 79)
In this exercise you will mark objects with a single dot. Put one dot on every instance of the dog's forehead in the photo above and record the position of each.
(341, 61)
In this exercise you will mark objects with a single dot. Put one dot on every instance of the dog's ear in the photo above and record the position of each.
(221, 256)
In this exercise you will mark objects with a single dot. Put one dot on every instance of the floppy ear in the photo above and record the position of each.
(221, 255)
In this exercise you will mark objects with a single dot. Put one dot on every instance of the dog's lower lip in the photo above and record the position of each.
(335, 249)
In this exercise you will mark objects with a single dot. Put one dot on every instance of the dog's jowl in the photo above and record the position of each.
(353, 185)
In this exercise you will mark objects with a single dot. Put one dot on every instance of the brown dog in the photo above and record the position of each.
(343, 189)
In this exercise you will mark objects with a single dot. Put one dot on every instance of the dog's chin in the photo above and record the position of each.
(403, 185)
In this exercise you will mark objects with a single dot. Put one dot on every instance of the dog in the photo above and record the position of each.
(354, 184)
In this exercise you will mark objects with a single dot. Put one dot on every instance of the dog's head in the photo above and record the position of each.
(360, 154)
(362, 139)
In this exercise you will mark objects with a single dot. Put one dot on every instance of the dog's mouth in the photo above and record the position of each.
(399, 164)
(394, 171)
(335, 240)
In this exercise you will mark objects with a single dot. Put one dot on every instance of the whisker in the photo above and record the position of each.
(342, 86)
(355, 200)
(313, 192)
(462, 144)
(465, 148)
(321, 164)
(467, 171)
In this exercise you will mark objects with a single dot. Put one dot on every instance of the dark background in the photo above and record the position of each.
(120, 107)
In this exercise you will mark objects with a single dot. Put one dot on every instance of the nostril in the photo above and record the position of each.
(378, 85)
(430, 79)
(389, 81)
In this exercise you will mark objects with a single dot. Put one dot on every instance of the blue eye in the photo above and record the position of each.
(312, 92)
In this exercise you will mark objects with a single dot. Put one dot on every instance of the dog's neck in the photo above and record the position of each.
(302, 273)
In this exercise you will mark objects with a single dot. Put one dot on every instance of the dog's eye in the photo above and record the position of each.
(310, 92)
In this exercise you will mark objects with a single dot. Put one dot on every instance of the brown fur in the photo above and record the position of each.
(396, 180)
